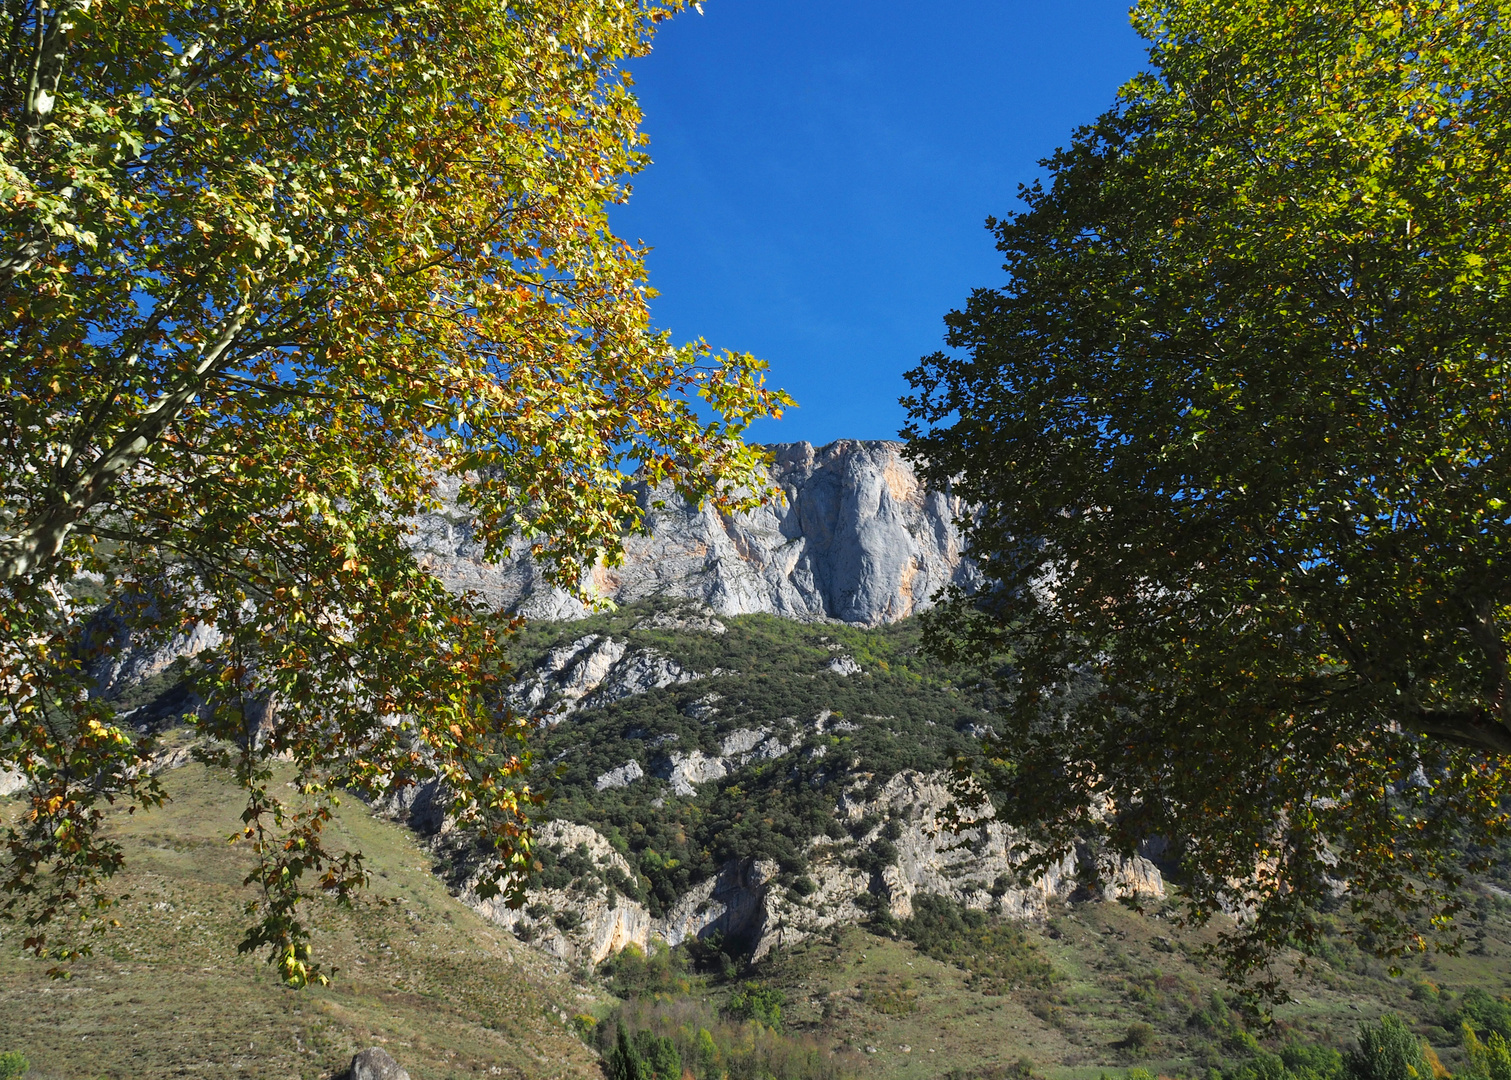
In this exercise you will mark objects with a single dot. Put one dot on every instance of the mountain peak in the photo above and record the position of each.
(858, 539)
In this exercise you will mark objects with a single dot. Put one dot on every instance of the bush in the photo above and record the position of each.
(762, 1004)
(1308, 1062)
(996, 953)
(632, 973)
(1480, 1011)
(13, 1065)
(1386, 1051)
(1139, 1038)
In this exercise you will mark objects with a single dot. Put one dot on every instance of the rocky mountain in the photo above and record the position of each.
(751, 782)
(857, 539)
(748, 902)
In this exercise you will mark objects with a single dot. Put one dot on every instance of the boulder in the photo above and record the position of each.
(375, 1063)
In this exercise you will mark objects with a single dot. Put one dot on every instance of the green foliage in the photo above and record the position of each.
(658, 1054)
(624, 1061)
(1477, 1010)
(899, 999)
(1235, 430)
(632, 973)
(1296, 1061)
(1139, 1038)
(1489, 1060)
(13, 1065)
(761, 1004)
(719, 1048)
(1386, 1051)
(270, 272)
(707, 1055)
(1306, 1061)
(995, 952)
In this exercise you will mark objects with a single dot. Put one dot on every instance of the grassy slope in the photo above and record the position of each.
(167, 995)
(1115, 968)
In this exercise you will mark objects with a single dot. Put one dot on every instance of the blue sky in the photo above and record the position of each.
(822, 170)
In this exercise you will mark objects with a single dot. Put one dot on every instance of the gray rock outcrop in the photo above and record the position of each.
(623, 776)
(859, 539)
(590, 672)
(11, 781)
(746, 901)
(375, 1063)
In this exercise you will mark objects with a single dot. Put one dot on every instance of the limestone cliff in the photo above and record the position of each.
(858, 539)
(746, 903)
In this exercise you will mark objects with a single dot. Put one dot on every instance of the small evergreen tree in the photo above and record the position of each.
(658, 1056)
(708, 1056)
(1387, 1051)
(623, 1062)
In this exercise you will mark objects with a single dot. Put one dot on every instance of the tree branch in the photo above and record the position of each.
(41, 541)
(1477, 729)
(47, 66)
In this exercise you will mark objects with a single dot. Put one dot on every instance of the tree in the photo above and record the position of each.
(1489, 1060)
(1386, 1051)
(1236, 430)
(268, 270)
(624, 1061)
(658, 1055)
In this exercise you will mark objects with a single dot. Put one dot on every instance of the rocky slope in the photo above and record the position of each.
(747, 901)
(858, 539)
(751, 783)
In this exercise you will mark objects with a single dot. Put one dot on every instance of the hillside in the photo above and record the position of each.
(756, 778)
(761, 792)
(787, 875)
(167, 995)
(742, 857)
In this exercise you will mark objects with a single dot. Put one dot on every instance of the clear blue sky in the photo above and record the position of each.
(822, 170)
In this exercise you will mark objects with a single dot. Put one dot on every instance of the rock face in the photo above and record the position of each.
(746, 903)
(590, 672)
(859, 539)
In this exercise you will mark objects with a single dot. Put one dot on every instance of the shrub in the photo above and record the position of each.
(892, 998)
(996, 953)
(1139, 1037)
(632, 973)
(763, 1004)
(1309, 1062)
(13, 1065)
(1485, 1014)
(1386, 1051)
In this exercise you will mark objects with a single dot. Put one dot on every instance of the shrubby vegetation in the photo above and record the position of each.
(667, 1023)
(997, 953)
